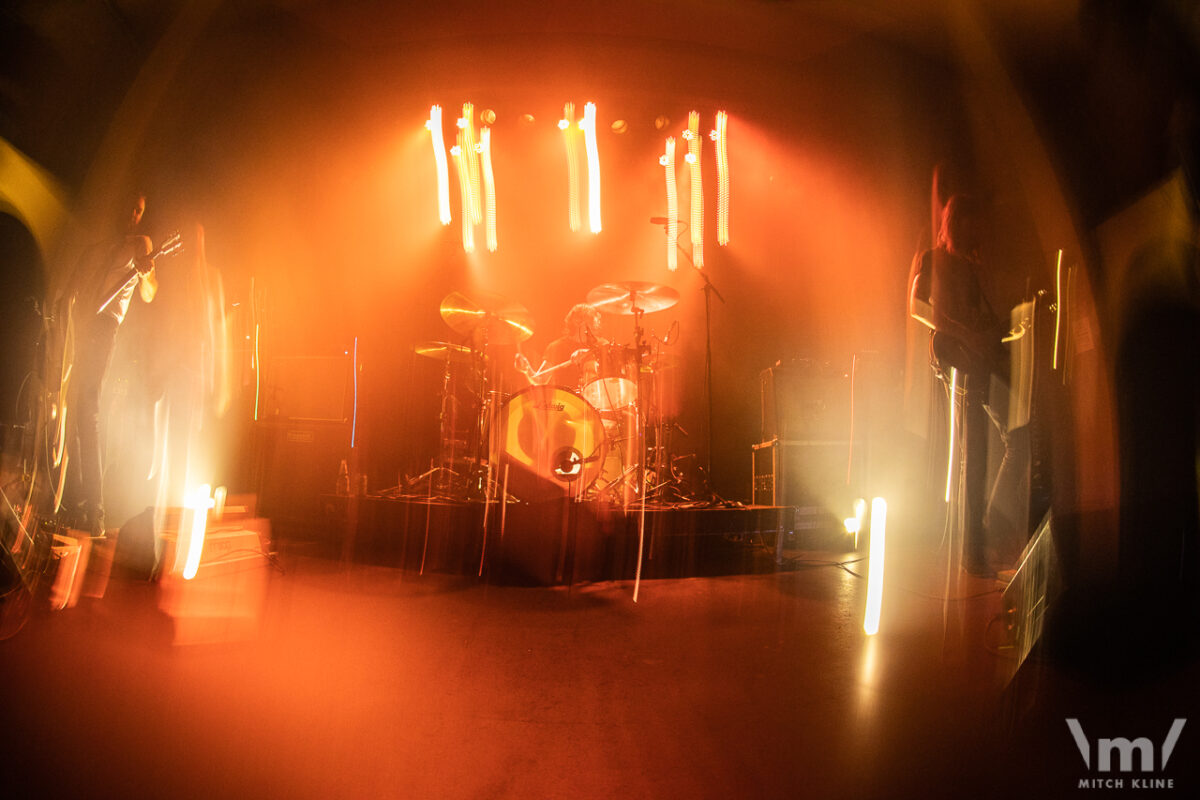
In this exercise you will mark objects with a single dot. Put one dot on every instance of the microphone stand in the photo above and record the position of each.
(709, 290)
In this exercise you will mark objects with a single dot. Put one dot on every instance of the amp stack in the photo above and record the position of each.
(813, 452)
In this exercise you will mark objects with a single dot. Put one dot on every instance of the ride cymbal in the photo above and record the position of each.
(631, 297)
(496, 319)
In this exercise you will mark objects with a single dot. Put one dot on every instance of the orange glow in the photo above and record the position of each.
(464, 186)
(593, 157)
(570, 139)
(692, 134)
(470, 155)
(668, 162)
(434, 124)
(489, 187)
(720, 137)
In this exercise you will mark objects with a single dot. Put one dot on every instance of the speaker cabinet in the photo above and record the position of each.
(299, 462)
(805, 401)
(824, 475)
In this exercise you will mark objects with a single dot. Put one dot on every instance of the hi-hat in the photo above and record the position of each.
(632, 297)
(495, 319)
(444, 351)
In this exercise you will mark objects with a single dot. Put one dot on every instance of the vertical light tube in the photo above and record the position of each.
(1058, 307)
(470, 155)
(354, 371)
(875, 566)
(257, 372)
(593, 157)
(668, 162)
(950, 437)
(464, 187)
(434, 124)
(571, 142)
(697, 204)
(720, 137)
(489, 186)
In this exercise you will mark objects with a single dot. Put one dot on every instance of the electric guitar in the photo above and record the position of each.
(170, 246)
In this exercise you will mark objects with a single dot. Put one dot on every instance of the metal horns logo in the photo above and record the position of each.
(1125, 750)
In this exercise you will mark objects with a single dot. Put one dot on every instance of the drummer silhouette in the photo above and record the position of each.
(571, 360)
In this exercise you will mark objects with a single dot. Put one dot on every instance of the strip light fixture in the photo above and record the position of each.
(470, 154)
(692, 134)
(571, 142)
(668, 162)
(434, 125)
(588, 123)
(464, 186)
(489, 186)
(720, 136)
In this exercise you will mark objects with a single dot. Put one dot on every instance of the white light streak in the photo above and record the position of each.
(571, 141)
(875, 566)
(199, 502)
(593, 157)
(434, 124)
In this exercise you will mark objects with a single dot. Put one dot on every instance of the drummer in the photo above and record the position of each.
(571, 360)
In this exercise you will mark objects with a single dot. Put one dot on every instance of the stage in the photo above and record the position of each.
(561, 541)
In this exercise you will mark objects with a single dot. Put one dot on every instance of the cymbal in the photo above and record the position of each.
(499, 319)
(630, 296)
(444, 351)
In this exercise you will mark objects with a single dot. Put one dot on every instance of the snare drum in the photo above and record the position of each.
(615, 386)
(552, 443)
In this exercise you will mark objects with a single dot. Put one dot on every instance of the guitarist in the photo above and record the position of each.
(107, 276)
(967, 336)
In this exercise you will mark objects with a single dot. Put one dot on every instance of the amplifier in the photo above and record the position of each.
(805, 401)
(809, 473)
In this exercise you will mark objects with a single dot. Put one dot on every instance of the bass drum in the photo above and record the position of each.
(552, 444)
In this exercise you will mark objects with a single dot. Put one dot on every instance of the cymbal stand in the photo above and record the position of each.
(443, 475)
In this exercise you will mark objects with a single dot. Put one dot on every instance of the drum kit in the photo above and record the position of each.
(586, 439)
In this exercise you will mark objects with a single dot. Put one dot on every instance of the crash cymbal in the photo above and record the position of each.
(489, 317)
(444, 351)
(630, 296)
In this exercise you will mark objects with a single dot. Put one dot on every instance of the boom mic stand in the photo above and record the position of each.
(709, 290)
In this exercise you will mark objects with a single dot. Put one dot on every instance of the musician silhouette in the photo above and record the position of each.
(967, 337)
(106, 277)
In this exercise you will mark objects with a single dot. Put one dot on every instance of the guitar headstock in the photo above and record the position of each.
(170, 246)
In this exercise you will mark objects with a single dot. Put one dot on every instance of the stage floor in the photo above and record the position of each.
(364, 680)
(563, 542)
